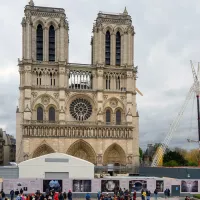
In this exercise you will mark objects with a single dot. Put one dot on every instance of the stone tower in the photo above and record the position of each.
(85, 110)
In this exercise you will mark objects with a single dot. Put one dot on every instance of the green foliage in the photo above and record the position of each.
(194, 164)
(196, 196)
(174, 156)
(171, 163)
(141, 153)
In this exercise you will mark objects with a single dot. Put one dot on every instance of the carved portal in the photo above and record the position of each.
(42, 150)
(114, 154)
(83, 150)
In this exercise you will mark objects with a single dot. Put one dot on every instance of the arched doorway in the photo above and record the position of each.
(83, 150)
(42, 150)
(115, 155)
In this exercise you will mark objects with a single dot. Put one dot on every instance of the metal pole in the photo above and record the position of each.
(198, 113)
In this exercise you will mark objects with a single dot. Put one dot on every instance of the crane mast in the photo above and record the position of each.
(195, 88)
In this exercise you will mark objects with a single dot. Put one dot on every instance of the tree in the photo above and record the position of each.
(141, 154)
(171, 163)
(174, 156)
(193, 157)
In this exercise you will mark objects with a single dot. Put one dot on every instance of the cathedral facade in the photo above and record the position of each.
(85, 110)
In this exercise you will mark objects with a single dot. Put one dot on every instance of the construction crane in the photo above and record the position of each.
(195, 88)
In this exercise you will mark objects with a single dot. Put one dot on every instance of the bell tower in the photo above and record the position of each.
(113, 40)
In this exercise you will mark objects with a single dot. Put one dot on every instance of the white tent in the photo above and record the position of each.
(56, 166)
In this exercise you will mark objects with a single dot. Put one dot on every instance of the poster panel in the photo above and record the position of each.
(151, 184)
(55, 185)
(137, 185)
(160, 185)
(27, 185)
(96, 185)
(82, 186)
(110, 186)
(189, 186)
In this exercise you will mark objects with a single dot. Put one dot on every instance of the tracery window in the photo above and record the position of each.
(108, 116)
(118, 83)
(39, 114)
(118, 117)
(51, 44)
(39, 78)
(52, 114)
(118, 49)
(107, 82)
(107, 48)
(81, 109)
(39, 46)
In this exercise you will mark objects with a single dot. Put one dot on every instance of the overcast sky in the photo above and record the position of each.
(167, 38)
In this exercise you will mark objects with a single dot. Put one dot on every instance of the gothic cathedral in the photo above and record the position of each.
(84, 110)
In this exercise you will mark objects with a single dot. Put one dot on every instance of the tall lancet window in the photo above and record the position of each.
(39, 114)
(39, 47)
(51, 43)
(107, 49)
(118, 49)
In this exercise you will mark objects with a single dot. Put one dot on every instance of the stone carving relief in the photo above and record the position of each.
(45, 99)
(129, 159)
(113, 103)
(56, 95)
(105, 97)
(99, 159)
(122, 98)
(34, 94)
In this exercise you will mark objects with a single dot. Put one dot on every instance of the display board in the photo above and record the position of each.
(107, 185)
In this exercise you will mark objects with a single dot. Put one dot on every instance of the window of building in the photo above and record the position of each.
(118, 117)
(118, 83)
(51, 44)
(39, 47)
(39, 78)
(118, 49)
(39, 114)
(107, 49)
(107, 82)
(52, 114)
(108, 116)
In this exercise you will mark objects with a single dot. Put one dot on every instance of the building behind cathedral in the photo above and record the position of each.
(85, 110)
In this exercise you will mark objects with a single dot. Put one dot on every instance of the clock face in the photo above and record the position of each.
(81, 109)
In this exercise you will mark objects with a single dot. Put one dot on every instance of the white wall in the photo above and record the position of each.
(36, 168)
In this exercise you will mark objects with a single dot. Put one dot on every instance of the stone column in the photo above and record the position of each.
(125, 48)
(62, 40)
(113, 49)
(46, 44)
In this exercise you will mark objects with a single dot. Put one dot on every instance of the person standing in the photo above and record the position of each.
(155, 194)
(134, 195)
(148, 194)
(69, 195)
(12, 194)
(87, 197)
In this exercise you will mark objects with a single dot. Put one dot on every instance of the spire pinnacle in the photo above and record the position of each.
(125, 11)
(31, 3)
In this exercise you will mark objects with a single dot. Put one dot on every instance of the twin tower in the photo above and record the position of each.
(85, 110)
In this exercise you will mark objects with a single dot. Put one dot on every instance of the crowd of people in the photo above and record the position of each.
(54, 195)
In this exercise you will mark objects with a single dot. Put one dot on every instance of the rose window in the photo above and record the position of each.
(81, 109)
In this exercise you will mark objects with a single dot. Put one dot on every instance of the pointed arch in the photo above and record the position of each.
(38, 21)
(83, 150)
(118, 117)
(114, 154)
(39, 42)
(53, 22)
(107, 47)
(52, 114)
(52, 37)
(40, 113)
(42, 150)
